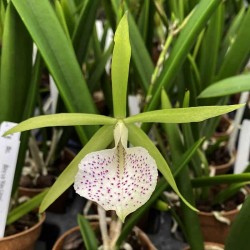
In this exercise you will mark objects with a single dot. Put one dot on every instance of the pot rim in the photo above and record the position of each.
(64, 235)
(38, 224)
(31, 189)
(208, 243)
(227, 164)
(76, 228)
(223, 212)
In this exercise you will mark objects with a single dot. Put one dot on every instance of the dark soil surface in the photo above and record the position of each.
(219, 156)
(41, 182)
(24, 223)
(223, 125)
(44, 181)
(227, 205)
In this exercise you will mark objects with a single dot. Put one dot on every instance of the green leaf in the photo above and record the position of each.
(16, 67)
(176, 144)
(110, 11)
(228, 86)
(28, 112)
(231, 34)
(140, 56)
(138, 138)
(69, 11)
(220, 179)
(67, 119)
(25, 207)
(120, 68)
(182, 115)
(99, 68)
(238, 237)
(56, 50)
(210, 46)
(238, 53)
(172, 132)
(87, 232)
(100, 140)
(181, 48)
(84, 28)
(61, 17)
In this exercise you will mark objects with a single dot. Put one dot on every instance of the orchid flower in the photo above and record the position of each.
(120, 179)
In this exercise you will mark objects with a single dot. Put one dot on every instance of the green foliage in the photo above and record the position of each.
(228, 86)
(182, 115)
(88, 234)
(58, 54)
(238, 237)
(184, 51)
(120, 68)
(16, 56)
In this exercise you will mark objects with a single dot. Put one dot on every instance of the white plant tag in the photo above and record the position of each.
(9, 147)
(243, 150)
(133, 104)
(54, 94)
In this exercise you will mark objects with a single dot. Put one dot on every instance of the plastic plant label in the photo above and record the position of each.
(9, 147)
(54, 95)
(243, 151)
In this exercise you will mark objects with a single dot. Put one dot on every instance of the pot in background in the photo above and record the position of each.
(25, 240)
(216, 229)
(223, 168)
(210, 246)
(224, 128)
(60, 204)
(143, 238)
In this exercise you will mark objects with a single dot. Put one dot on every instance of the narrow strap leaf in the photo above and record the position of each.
(182, 115)
(120, 68)
(181, 48)
(228, 86)
(87, 232)
(67, 119)
(57, 51)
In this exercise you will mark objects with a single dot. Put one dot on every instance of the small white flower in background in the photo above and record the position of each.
(120, 179)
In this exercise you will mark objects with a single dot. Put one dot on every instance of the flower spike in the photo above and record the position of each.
(120, 179)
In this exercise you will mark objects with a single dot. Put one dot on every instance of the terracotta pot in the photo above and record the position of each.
(59, 205)
(223, 168)
(23, 241)
(213, 229)
(147, 244)
(225, 124)
(29, 192)
(210, 246)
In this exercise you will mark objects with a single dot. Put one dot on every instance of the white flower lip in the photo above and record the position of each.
(120, 179)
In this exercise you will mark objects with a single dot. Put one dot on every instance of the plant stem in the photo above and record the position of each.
(115, 231)
(39, 162)
(103, 228)
(55, 138)
(159, 65)
(173, 31)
